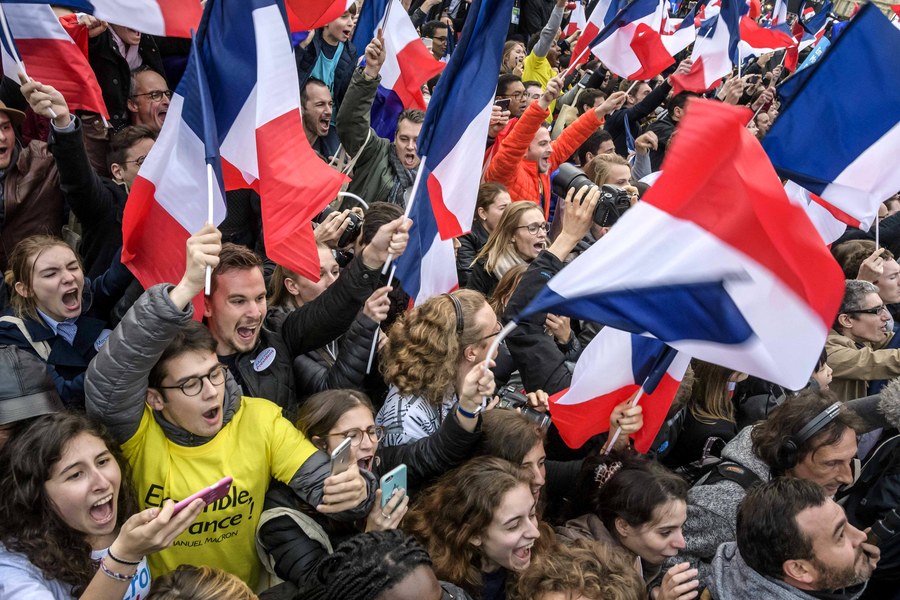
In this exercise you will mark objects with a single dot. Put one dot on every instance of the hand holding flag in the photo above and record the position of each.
(45, 100)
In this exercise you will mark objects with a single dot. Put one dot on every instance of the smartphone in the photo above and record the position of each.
(216, 491)
(340, 458)
(503, 103)
(429, 43)
(394, 479)
(752, 79)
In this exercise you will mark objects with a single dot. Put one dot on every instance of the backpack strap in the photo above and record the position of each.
(42, 348)
(730, 471)
(310, 528)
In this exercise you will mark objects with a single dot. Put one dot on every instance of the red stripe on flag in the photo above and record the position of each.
(835, 212)
(446, 220)
(761, 37)
(586, 37)
(180, 16)
(648, 47)
(692, 81)
(294, 186)
(304, 15)
(61, 64)
(417, 65)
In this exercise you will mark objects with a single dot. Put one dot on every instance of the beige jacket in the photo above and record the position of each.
(855, 365)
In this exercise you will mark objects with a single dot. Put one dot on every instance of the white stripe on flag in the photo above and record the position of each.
(278, 87)
(141, 15)
(29, 21)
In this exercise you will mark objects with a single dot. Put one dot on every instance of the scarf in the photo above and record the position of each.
(403, 179)
(129, 53)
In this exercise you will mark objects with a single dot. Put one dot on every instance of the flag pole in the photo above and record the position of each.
(877, 236)
(210, 199)
(15, 54)
(618, 432)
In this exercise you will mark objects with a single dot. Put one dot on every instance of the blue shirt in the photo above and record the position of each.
(66, 329)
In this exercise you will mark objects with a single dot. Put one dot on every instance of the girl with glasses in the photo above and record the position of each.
(295, 544)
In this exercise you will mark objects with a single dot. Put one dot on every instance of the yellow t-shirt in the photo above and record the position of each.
(256, 445)
(537, 68)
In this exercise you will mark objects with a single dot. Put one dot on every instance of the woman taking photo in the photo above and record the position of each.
(488, 528)
(56, 312)
(433, 361)
(66, 516)
(327, 419)
(489, 207)
(519, 237)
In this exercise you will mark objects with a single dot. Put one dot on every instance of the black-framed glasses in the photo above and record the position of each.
(521, 94)
(138, 161)
(194, 385)
(533, 228)
(375, 433)
(868, 311)
(156, 95)
(498, 329)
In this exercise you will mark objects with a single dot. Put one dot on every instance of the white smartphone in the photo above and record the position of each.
(340, 458)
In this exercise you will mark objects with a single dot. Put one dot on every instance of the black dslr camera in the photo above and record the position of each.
(353, 229)
(613, 202)
(514, 399)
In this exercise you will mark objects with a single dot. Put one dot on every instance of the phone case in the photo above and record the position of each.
(390, 481)
(340, 458)
(216, 491)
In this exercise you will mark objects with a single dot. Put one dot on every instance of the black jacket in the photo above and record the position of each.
(296, 555)
(306, 61)
(534, 15)
(97, 202)
(615, 122)
(305, 329)
(114, 75)
(663, 128)
(481, 281)
(469, 246)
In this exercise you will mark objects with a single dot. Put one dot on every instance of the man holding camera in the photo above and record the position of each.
(793, 541)
(526, 157)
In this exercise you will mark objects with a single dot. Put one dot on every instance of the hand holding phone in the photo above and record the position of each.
(503, 103)
(340, 457)
(216, 491)
(391, 481)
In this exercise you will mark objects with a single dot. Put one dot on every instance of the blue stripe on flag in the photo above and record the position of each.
(650, 359)
(422, 235)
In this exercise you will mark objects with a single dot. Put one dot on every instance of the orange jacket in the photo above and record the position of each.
(520, 176)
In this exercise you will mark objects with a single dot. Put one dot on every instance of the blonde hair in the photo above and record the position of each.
(709, 400)
(423, 347)
(599, 166)
(508, 48)
(188, 582)
(499, 251)
(21, 270)
(505, 288)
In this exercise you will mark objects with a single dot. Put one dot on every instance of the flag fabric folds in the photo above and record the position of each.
(829, 226)
(172, 18)
(304, 15)
(407, 66)
(756, 40)
(628, 362)
(452, 146)
(715, 50)
(631, 45)
(577, 19)
(49, 55)
(779, 12)
(854, 167)
(702, 259)
(601, 16)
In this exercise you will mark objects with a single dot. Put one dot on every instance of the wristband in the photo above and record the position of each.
(113, 575)
(467, 414)
(121, 561)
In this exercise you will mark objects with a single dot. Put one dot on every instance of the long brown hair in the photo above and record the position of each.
(28, 521)
(709, 399)
(499, 251)
(320, 412)
(21, 270)
(422, 353)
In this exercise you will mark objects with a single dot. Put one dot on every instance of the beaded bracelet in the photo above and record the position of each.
(113, 575)
(121, 561)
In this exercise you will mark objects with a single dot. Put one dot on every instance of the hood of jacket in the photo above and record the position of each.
(230, 405)
(731, 577)
(740, 450)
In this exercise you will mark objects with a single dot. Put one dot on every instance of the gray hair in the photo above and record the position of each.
(855, 292)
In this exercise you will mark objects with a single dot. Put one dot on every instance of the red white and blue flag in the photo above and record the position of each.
(818, 22)
(601, 16)
(829, 225)
(304, 15)
(407, 66)
(628, 362)
(678, 34)
(854, 167)
(631, 45)
(577, 19)
(779, 12)
(171, 18)
(715, 50)
(702, 259)
(452, 146)
(245, 53)
(756, 40)
(49, 55)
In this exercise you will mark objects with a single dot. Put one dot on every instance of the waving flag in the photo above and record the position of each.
(49, 55)
(756, 40)
(171, 18)
(304, 15)
(628, 362)
(715, 50)
(600, 17)
(817, 24)
(854, 167)
(452, 147)
(829, 226)
(408, 65)
(631, 46)
(678, 34)
(779, 12)
(577, 19)
(702, 259)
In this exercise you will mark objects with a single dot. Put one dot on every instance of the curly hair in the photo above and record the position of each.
(188, 582)
(499, 252)
(424, 349)
(583, 568)
(21, 270)
(29, 523)
(465, 499)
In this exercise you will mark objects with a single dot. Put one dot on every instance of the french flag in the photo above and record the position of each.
(678, 34)
(817, 24)
(779, 12)
(854, 167)
(407, 66)
(631, 45)
(829, 225)
(171, 18)
(715, 50)
(452, 146)
(577, 19)
(601, 16)
(246, 55)
(756, 40)
(49, 55)
(628, 362)
(305, 15)
(702, 260)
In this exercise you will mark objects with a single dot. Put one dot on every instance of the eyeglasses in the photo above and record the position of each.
(533, 228)
(193, 385)
(156, 95)
(515, 95)
(497, 329)
(375, 433)
(138, 161)
(868, 311)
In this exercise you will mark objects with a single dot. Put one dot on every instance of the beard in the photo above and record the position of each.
(832, 579)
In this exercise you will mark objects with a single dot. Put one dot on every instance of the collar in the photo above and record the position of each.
(52, 323)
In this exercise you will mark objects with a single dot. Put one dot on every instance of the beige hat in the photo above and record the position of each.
(16, 116)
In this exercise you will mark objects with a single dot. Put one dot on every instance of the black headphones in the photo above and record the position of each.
(457, 308)
(788, 453)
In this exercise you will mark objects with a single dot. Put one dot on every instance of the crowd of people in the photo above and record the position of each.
(361, 447)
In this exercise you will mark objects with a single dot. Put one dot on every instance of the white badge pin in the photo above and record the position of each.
(264, 359)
